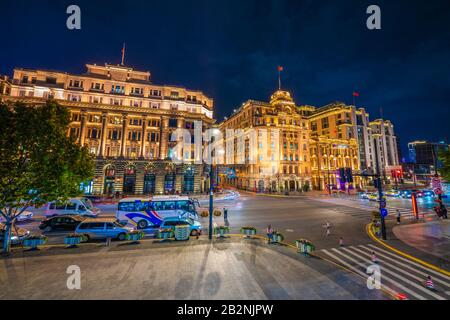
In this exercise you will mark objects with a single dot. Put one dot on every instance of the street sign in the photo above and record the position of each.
(384, 212)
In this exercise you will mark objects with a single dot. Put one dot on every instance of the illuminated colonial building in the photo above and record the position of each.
(126, 121)
(267, 145)
(382, 132)
(334, 146)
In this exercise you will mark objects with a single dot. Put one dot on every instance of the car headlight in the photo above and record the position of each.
(14, 238)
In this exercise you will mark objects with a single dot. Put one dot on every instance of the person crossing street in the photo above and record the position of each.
(429, 283)
(399, 216)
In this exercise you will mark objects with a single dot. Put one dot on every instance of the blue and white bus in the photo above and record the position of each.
(145, 212)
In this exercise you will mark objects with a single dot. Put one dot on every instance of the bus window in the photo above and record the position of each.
(158, 205)
(126, 206)
(183, 205)
(141, 206)
(169, 205)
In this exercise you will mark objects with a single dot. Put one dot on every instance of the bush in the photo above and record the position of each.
(204, 214)
(217, 213)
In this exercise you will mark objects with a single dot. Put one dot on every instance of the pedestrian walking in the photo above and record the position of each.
(341, 242)
(374, 257)
(429, 283)
(225, 213)
(444, 211)
(399, 216)
(327, 226)
(269, 232)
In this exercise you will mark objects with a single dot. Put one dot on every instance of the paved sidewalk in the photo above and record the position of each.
(228, 269)
(431, 237)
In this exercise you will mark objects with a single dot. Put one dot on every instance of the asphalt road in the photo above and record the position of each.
(295, 217)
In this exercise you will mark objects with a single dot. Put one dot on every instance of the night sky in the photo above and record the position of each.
(231, 49)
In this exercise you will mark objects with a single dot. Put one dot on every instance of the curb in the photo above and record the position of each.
(408, 256)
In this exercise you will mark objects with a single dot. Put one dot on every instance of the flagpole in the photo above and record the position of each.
(279, 79)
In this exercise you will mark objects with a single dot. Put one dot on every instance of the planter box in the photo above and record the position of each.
(277, 238)
(182, 232)
(73, 241)
(222, 232)
(304, 247)
(165, 235)
(34, 243)
(135, 236)
(248, 232)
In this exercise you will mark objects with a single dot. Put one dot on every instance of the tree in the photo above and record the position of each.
(444, 156)
(39, 162)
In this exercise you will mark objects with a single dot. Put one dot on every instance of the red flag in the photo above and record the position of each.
(280, 68)
(355, 94)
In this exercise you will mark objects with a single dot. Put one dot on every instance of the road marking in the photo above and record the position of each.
(405, 289)
(406, 265)
(412, 262)
(364, 275)
(429, 265)
(385, 268)
(289, 230)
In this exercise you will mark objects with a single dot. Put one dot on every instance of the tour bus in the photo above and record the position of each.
(150, 212)
(80, 206)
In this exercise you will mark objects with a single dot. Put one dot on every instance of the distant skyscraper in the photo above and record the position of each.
(425, 152)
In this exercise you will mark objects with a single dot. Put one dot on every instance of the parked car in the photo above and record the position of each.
(80, 206)
(24, 216)
(375, 197)
(17, 234)
(93, 199)
(171, 222)
(102, 228)
(67, 222)
(393, 193)
(364, 195)
(428, 193)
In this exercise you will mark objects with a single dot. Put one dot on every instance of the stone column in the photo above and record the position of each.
(124, 134)
(83, 127)
(103, 134)
(143, 134)
(164, 138)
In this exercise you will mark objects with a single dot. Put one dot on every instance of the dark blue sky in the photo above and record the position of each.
(230, 50)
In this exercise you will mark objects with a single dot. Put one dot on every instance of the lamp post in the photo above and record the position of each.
(211, 201)
(380, 191)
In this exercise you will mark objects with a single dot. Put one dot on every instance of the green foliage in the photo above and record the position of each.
(306, 187)
(39, 163)
(444, 156)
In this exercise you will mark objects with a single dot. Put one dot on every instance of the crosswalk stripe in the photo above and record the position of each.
(397, 284)
(407, 266)
(411, 262)
(349, 266)
(386, 268)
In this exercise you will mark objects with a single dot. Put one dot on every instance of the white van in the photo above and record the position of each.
(80, 206)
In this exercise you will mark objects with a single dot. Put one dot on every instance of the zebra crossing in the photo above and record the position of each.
(398, 274)
(349, 206)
